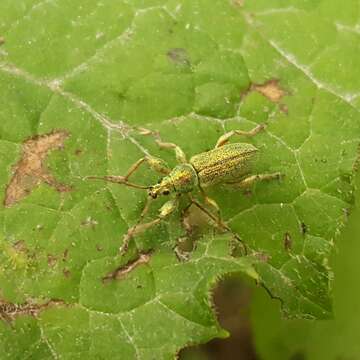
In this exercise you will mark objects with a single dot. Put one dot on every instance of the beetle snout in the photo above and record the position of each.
(153, 192)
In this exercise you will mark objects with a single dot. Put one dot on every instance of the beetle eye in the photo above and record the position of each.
(166, 192)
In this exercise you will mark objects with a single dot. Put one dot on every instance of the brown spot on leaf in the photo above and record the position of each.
(287, 242)
(123, 270)
(51, 260)
(2, 40)
(31, 171)
(20, 246)
(248, 193)
(262, 256)
(9, 311)
(239, 3)
(65, 254)
(284, 109)
(89, 222)
(270, 89)
(179, 56)
(347, 213)
(304, 228)
(66, 273)
(357, 160)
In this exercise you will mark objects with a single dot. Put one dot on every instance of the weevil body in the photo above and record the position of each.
(226, 163)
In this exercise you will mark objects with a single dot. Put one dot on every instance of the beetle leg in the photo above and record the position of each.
(250, 180)
(218, 221)
(166, 210)
(183, 255)
(154, 163)
(226, 137)
(209, 201)
(185, 219)
(179, 153)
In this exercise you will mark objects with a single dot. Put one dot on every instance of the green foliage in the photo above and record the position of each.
(190, 70)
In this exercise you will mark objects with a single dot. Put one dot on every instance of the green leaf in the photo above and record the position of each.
(278, 338)
(79, 78)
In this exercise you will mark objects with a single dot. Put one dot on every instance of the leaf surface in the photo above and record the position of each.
(189, 71)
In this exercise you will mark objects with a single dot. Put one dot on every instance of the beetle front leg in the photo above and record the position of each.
(154, 163)
(250, 180)
(179, 153)
(164, 212)
(226, 137)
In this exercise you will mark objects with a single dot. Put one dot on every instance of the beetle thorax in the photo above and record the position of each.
(184, 178)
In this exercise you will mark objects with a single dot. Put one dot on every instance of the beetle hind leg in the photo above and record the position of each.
(219, 223)
(250, 180)
(226, 137)
(211, 202)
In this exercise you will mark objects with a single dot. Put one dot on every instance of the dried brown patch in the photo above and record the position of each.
(124, 270)
(270, 89)
(10, 311)
(31, 171)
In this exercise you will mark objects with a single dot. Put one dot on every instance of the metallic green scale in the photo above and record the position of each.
(223, 164)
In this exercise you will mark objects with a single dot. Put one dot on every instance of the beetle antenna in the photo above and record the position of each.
(117, 180)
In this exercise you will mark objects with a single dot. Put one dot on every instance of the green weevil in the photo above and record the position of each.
(227, 163)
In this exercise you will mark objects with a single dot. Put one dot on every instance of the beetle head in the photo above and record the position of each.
(164, 187)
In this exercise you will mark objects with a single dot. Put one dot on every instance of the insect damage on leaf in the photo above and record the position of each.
(123, 270)
(270, 89)
(179, 56)
(9, 311)
(31, 171)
